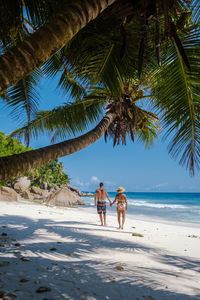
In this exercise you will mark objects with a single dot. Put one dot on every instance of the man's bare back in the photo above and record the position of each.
(101, 194)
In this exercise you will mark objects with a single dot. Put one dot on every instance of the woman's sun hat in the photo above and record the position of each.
(120, 189)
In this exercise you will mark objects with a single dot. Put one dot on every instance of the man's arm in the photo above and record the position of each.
(108, 197)
(113, 201)
(95, 198)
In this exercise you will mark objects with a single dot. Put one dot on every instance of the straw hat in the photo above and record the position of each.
(120, 189)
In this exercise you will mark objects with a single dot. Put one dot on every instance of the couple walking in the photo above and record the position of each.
(100, 202)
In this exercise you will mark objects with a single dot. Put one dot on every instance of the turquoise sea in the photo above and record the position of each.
(178, 207)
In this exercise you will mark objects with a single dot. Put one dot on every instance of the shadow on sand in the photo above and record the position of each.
(71, 267)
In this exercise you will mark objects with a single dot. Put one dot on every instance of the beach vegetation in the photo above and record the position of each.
(148, 57)
(49, 175)
(119, 268)
(137, 234)
(192, 236)
(10, 146)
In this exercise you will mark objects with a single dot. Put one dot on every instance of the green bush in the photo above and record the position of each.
(137, 234)
(49, 175)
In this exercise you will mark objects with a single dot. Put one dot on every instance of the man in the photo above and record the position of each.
(100, 202)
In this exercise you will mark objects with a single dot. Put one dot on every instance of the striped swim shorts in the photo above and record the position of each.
(101, 207)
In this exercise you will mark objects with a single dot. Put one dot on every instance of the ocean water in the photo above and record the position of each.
(177, 207)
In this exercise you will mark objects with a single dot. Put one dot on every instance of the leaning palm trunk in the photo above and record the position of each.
(15, 165)
(28, 55)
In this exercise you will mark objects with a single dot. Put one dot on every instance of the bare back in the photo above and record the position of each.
(101, 194)
(121, 198)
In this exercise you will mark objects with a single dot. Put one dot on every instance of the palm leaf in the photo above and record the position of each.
(196, 11)
(178, 97)
(94, 54)
(23, 99)
(11, 20)
(149, 135)
(69, 83)
(64, 121)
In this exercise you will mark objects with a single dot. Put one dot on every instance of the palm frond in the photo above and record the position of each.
(11, 20)
(94, 54)
(178, 97)
(23, 99)
(52, 66)
(39, 12)
(64, 121)
(70, 84)
(196, 11)
(148, 134)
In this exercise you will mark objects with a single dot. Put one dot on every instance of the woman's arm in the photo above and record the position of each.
(113, 201)
(108, 197)
(126, 202)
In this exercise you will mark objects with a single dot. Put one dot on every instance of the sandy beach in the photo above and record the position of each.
(63, 253)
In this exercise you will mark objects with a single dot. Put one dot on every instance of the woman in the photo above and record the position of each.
(121, 206)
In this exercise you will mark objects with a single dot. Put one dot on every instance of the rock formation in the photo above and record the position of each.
(42, 193)
(8, 194)
(58, 195)
(64, 197)
(22, 184)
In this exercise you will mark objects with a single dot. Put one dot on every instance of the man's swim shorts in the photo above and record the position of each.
(101, 207)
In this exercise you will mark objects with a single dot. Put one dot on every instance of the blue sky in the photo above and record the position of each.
(131, 166)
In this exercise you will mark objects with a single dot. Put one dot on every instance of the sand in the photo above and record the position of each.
(63, 253)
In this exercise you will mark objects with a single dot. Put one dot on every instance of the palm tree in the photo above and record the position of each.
(122, 117)
(111, 72)
(17, 165)
(35, 49)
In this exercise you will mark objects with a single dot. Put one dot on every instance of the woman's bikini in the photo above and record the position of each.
(121, 204)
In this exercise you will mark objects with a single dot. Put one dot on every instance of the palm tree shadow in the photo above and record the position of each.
(67, 257)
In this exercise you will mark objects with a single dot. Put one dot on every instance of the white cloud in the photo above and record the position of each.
(94, 178)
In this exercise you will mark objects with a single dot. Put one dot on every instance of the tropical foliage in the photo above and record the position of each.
(177, 91)
(47, 176)
(10, 146)
(133, 51)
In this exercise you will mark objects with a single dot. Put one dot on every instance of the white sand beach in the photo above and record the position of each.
(63, 253)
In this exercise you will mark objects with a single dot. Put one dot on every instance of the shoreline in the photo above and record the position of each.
(163, 208)
(148, 218)
(67, 251)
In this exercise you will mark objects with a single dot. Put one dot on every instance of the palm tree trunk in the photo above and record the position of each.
(31, 53)
(17, 164)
